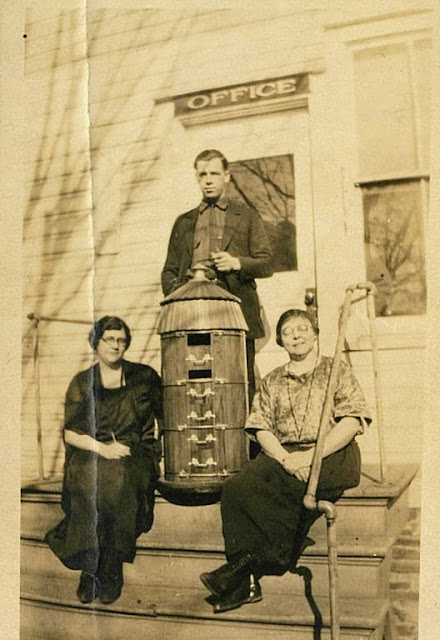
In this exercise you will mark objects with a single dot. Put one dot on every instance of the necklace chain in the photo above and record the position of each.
(299, 427)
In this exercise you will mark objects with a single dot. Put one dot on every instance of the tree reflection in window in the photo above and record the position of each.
(394, 246)
(267, 185)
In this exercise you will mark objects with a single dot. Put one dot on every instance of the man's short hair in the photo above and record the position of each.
(210, 154)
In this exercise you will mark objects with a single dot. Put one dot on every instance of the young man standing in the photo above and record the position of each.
(229, 239)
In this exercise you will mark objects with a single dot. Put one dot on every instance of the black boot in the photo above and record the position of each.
(227, 577)
(111, 577)
(248, 591)
(87, 588)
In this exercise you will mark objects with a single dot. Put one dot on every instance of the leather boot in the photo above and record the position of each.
(227, 577)
(248, 591)
(88, 587)
(111, 577)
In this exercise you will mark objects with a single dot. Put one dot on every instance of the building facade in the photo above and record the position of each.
(324, 114)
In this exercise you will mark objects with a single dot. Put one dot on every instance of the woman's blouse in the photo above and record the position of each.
(290, 406)
(126, 413)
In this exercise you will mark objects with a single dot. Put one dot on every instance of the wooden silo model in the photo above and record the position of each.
(204, 379)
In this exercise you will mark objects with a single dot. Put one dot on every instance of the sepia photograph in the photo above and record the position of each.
(221, 290)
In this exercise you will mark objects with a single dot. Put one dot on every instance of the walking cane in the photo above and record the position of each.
(325, 507)
(371, 293)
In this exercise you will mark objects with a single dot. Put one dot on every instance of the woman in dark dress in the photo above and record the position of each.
(264, 521)
(111, 465)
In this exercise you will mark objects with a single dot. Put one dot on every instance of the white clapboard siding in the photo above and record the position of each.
(125, 21)
(77, 116)
(130, 276)
(74, 301)
(76, 182)
(129, 42)
(78, 237)
(56, 280)
(50, 166)
(44, 21)
(80, 263)
(70, 82)
(70, 53)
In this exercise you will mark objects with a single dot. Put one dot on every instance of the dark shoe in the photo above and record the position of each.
(110, 591)
(247, 592)
(227, 577)
(111, 578)
(87, 588)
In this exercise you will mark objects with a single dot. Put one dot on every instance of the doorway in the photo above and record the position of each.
(269, 156)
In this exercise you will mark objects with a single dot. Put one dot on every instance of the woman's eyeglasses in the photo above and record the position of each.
(115, 342)
(301, 328)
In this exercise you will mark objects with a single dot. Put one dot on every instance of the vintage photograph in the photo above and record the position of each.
(224, 318)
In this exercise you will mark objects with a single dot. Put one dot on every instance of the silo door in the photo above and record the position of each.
(270, 167)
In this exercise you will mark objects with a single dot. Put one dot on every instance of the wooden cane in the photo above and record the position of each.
(324, 506)
(310, 497)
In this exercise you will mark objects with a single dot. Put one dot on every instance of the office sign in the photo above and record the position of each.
(235, 95)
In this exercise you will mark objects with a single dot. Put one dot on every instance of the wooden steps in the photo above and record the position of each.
(381, 510)
(153, 567)
(163, 597)
(159, 613)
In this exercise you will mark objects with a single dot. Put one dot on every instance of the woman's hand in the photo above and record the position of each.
(303, 474)
(298, 463)
(113, 450)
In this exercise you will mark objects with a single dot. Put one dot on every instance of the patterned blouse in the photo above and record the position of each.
(290, 406)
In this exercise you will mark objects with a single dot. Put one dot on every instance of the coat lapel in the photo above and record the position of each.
(190, 227)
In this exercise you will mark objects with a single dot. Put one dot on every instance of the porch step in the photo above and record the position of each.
(50, 611)
(364, 575)
(380, 510)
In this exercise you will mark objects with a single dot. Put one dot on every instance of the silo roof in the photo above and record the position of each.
(199, 305)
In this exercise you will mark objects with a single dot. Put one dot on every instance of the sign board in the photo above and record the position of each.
(252, 92)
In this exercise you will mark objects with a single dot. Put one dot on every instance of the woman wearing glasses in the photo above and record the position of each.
(111, 465)
(264, 521)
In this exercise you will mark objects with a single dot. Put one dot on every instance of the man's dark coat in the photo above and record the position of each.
(244, 237)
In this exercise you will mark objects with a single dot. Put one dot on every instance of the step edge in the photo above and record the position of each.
(317, 550)
(54, 497)
(379, 608)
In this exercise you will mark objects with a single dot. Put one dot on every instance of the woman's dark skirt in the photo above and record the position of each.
(107, 505)
(262, 507)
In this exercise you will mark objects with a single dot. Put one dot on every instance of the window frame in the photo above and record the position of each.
(408, 322)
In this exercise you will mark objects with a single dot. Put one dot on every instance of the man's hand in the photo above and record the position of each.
(223, 261)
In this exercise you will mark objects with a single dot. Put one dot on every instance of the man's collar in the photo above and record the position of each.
(221, 203)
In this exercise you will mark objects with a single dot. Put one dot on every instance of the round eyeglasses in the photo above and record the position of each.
(300, 328)
(115, 342)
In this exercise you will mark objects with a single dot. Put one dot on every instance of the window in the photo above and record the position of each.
(268, 186)
(394, 246)
(392, 93)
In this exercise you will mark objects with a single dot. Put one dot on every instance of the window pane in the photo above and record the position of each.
(422, 78)
(384, 110)
(394, 247)
(268, 186)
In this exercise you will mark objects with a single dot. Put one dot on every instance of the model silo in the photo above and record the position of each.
(204, 377)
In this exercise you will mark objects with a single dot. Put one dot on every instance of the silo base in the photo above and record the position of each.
(190, 492)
